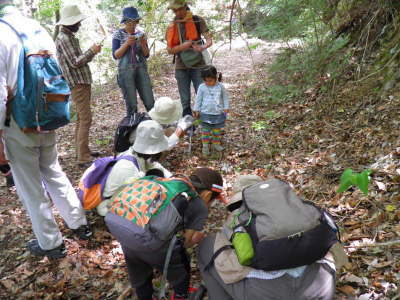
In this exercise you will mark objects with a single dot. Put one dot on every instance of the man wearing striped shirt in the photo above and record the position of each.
(75, 68)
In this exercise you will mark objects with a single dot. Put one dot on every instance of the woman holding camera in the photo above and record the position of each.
(130, 48)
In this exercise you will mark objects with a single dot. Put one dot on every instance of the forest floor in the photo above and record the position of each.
(308, 143)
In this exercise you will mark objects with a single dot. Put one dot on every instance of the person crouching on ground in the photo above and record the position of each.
(144, 251)
(227, 279)
(149, 144)
(167, 112)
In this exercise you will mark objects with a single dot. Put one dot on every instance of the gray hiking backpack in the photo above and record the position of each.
(285, 231)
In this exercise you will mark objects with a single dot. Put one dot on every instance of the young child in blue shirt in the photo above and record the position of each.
(211, 106)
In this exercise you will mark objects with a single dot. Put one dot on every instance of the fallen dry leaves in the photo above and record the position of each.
(309, 143)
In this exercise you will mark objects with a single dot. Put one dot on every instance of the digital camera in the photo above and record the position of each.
(138, 35)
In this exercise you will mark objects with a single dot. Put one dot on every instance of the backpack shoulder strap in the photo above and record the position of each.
(196, 20)
(216, 253)
(12, 28)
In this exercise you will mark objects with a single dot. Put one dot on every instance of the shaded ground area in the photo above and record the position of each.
(307, 143)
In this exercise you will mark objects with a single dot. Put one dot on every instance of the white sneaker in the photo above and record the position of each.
(217, 147)
(206, 149)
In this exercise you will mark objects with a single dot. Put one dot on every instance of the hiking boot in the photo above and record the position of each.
(83, 232)
(35, 249)
(199, 293)
(9, 180)
(206, 149)
(217, 147)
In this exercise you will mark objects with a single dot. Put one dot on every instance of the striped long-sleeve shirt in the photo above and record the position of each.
(73, 62)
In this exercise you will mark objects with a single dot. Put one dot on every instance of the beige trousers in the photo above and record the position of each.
(81, 94)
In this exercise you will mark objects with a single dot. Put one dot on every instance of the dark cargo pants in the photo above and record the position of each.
(184, 79)
(141, 262)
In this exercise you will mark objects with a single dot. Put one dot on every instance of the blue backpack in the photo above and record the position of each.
(41, 101)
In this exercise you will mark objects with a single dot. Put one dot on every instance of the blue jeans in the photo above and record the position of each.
(135, 77)
(184, 78)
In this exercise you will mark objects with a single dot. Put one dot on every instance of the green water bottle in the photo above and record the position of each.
(243, 245)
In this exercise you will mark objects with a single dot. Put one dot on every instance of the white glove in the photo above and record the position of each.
(185, 122)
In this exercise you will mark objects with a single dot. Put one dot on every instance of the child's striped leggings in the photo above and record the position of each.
(209, 135)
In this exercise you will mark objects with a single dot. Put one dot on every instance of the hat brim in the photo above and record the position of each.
(235, 202)
(176, 6)
(123, 20)
(165, 120)
(71, 20)
(150, 149)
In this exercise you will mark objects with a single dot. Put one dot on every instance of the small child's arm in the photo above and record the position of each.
(198, 101)
(225, 99)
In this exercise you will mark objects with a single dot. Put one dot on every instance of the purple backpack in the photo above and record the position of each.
(91, 185)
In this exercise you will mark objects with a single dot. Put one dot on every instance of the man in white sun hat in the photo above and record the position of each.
(75, 68)
(149, 144)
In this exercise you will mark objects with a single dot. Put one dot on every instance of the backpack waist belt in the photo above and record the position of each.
(56, 97)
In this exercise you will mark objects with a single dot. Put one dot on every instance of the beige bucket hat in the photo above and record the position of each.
(175, 4)
(242, 182)
(166, 110)
(150, 138)
(70, 15)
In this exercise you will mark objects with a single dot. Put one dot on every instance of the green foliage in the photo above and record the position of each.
(285, 19)
(158, 63)
(304, 67)
(259, 125)
(360, 180)
(105, 141)
(271, 114)
(47, 9)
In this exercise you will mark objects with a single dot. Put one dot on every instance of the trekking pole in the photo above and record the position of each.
(161, 294)
(190, 133)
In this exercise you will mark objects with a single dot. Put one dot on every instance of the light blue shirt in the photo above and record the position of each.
(212, 100)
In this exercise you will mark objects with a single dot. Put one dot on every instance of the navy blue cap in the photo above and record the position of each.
(129, 13)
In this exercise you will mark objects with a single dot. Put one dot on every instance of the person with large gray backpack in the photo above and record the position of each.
(272, 246)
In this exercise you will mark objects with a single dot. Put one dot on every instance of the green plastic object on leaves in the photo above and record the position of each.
(349, 178)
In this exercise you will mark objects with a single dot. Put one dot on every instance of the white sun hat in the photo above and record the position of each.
(150, 138)
(70, 15)
(166, 111)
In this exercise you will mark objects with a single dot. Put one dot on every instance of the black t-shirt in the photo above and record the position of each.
(195, 215)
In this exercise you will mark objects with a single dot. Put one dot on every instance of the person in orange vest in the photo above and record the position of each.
(184, 42)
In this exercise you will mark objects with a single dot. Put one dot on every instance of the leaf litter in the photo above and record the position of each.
(307, 142)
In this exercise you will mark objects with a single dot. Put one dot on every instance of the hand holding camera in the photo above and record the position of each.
(96, 48)
(131, 40)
